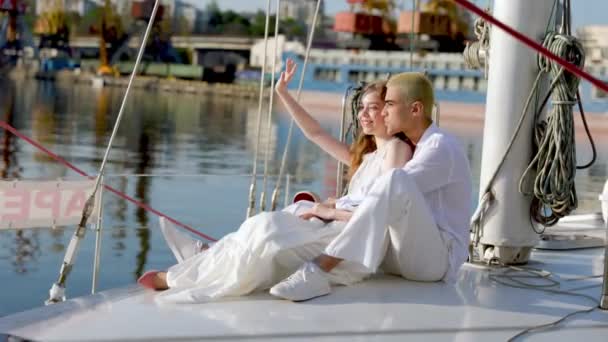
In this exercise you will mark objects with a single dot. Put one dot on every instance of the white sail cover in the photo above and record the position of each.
(44, 204)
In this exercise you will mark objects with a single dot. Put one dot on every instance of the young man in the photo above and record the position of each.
(415, 220)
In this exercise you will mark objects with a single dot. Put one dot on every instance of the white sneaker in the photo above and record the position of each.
(182, 246)
(308, 282)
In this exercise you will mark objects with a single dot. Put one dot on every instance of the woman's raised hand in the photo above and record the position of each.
(286, 76)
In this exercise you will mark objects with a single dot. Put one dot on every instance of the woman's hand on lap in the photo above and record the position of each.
(330, 202)
(321, 211)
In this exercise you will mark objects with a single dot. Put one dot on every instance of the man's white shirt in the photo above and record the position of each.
(440, 169)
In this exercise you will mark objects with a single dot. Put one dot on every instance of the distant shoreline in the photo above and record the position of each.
(459, 116)
(325, 106)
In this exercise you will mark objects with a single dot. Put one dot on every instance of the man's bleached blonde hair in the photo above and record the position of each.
(415, 86)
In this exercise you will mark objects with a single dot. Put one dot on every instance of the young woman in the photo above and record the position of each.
(271, 245)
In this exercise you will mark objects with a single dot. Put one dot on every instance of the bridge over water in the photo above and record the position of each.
(202, 45)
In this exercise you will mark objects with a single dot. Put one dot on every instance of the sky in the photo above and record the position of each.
(584, 12)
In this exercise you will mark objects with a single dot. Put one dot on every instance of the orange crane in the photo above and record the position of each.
(113, 38)
(370, 20)
(110, 30)
(53, 27)
(459, 25)
(383, 6)
(443, 21)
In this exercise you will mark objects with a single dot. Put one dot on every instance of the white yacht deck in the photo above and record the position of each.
(476, 308)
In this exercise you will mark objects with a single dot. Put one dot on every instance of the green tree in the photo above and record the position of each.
(213, 7)
(234, 23)
(214, 17)
(290, 27)
(293, 29)
(258, 23)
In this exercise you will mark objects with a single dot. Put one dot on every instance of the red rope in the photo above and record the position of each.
(534, 45)
(142, 205)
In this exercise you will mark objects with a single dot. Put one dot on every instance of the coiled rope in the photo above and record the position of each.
(555, 156)
(554, 162)
(477, 54)
(487, 199)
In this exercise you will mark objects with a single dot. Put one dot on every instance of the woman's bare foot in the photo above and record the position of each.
(326, 262)
(154, 280)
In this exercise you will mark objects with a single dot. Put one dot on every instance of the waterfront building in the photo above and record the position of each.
(595, 42)
(185, 18)
(300, 10)
(183, 15)
(77, 6)
(81, 7)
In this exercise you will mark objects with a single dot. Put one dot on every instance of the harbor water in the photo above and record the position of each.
(186, 155)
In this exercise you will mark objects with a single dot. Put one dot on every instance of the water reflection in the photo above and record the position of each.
(101, 117)
(10, 167)
(145, 149)
(116, 208)
(44, 112)
(25, 249)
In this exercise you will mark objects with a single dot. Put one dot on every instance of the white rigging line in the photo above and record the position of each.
(181, 175)
(57, 291)
(415, 7)
(275, 193)
(270, 106)
(252, 188)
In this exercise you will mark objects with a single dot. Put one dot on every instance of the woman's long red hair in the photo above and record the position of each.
(366, 143)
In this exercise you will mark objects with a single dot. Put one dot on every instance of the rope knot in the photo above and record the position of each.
(476, 53)
(565, 46)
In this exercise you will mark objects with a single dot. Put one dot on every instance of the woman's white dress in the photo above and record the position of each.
(269, 247)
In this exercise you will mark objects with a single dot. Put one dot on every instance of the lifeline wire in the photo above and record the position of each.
(57, 291)
(118, 193)
(254, 172)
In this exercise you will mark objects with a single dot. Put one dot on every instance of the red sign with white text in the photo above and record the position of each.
(31, 204)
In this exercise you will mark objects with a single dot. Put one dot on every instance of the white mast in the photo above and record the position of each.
(506, 231)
